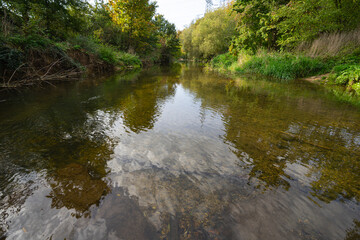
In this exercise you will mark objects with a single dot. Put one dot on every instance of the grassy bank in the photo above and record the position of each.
(32, 59)
(43, 41)
(282, 66)
(342, 70)
(333, 56)
(104, 52)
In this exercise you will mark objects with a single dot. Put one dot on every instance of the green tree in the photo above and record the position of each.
(18, 10)
(56, 18)
(256, 25)
(167, 38)
(210, 35)
(103, 29)
(286, 23)
(186, 41)
(301, 21)
(61, 17)
(134, 17)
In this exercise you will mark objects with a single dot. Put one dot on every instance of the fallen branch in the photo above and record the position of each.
(15, 72)
(51, 66)
(34, 78)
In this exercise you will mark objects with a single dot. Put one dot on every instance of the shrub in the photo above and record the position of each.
(283, 66)
(346, 74)
(30, 41)
(129, 59)
(85, 43)
(10, 58)
(107, 54)
(64, 46)
(223, 61)
(356, 87)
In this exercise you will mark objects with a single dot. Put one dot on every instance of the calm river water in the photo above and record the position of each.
(179, 153)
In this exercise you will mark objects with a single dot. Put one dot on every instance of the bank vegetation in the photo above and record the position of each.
(284, 39)
(42, 41)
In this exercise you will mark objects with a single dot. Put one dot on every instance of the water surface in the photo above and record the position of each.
(179, 153)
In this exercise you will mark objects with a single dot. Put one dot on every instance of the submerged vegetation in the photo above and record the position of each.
(59, 40)
(284, 39)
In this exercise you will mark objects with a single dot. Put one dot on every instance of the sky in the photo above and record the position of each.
(181, 12)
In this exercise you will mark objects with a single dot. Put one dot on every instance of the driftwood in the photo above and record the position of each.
(30, 75)
(12, 75)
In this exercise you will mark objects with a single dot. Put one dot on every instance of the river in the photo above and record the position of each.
(179, 153)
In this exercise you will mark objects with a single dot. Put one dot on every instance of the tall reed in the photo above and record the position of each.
(332, 44)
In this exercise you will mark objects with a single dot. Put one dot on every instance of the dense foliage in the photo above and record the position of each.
(58, 18)
(272, 25)
(348, 75)
(287, 23)
(210, 35)
(256, 25)
(169, 43)
(113, 26)
(285, 39)
(134, 17)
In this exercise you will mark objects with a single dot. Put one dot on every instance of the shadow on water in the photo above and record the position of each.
(178, 153)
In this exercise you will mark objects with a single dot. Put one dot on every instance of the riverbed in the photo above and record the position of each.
(179, 153)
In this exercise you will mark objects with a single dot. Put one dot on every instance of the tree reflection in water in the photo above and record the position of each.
(182, 155)
(268, 136)
(73, 188)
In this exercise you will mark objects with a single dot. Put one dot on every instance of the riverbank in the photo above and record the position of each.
(42, 42)
(339, 72)
(35, 60)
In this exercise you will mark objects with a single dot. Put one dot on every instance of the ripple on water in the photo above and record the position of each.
(179, 155)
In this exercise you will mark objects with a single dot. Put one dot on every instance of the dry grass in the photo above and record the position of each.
(332, 44)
